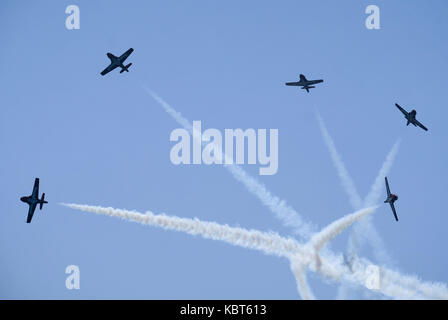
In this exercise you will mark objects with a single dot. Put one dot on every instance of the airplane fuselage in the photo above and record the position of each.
(411, 117)
(303, 81)
(391, 199)
(30, 200)
(116, 61)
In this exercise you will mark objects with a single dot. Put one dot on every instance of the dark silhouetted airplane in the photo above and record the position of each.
(304, 83)
(391, 198)
(33, 200)
(117, 62)
(410, 116)
(348, 261)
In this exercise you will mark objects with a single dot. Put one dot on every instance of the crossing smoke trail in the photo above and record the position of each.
(299, 271)
(364, 229)
(395, 287)
(346, 180)
(318, 240)
(287, 215)
(392, 283)
(377, 187)
(269, 243)
(279, 207)
(365, 226)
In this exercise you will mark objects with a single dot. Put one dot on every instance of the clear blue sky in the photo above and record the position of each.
(103, 141)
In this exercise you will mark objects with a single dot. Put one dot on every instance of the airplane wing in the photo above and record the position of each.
(293, 83)
(125, 55)
(36, 188)
(393, 210)
(387, 187)
(31, 212)
(401, 109)
(108, 69)
(420, 125)
(310, 82)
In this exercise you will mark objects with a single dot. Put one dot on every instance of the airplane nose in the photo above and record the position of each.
(22, 199)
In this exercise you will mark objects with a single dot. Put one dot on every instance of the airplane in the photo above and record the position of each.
(410, 116)
(348, 261)
(33, 200)
(117, 62)
(391, 198)
(304, 83)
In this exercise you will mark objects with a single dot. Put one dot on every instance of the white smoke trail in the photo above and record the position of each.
(291, 218)
(313, 247)
(377, 187)
(299, 271)
(392, 283)
(346, 180)
(364, 229)
(173, 113)
(279, 207)
(287, 215)
(269, 243)
(318, 240)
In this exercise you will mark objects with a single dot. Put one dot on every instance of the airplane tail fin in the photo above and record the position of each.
(126, 68)
(307, 88)
(42, 201)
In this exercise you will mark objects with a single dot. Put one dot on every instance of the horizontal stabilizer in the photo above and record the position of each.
(125, 68)
(42, 201)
